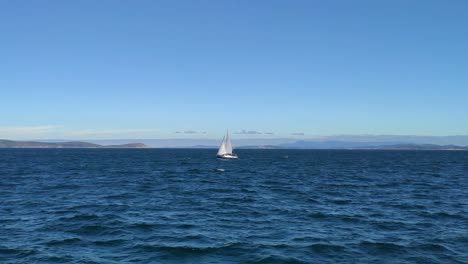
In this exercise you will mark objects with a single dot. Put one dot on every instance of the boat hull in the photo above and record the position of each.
(227, 156)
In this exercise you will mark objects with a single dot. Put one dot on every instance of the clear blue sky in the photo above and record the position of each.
(146, 69)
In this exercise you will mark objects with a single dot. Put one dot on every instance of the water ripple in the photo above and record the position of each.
(184, 206)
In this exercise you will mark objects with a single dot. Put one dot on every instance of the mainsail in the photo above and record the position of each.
(222, 148)
(228, 144)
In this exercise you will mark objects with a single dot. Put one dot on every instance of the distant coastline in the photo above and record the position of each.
(69, 144)
(376, 147)
(294, 145)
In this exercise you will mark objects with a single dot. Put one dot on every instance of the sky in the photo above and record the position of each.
(114, 69)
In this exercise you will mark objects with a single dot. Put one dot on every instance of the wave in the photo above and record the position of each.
(278, 259)
(341, 201)
(381, 247)
(324, 248)
(145, 226)
(97, 229)
(388, 225)
(79, 217)
(443, 215)
(183, 249)
(17, 252)
(194, 171)
(110, 242)
(64, 242)
(339, 217)
(431, 247)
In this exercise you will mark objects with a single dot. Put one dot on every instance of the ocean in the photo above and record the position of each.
(270, 206)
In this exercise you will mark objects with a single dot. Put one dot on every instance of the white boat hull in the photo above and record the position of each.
(227, 156)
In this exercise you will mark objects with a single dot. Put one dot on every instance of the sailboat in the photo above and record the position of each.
(225, 150)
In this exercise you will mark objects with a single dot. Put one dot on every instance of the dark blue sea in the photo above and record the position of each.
(270, 206)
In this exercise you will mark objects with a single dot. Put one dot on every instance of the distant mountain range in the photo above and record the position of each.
(356, 145)
(68, 144)
(327, 142)
(367, 145)
(418, 147)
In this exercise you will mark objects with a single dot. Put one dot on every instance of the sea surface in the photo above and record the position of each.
(270, 206)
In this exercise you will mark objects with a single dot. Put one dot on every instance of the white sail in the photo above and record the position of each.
(222, 148)
(227, 144)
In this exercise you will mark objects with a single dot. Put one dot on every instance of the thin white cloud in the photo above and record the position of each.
(56, 132)
(27, 129)
(29, 132)
(298, 134)
(190, 132)
(109, 132)
(248, 132)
